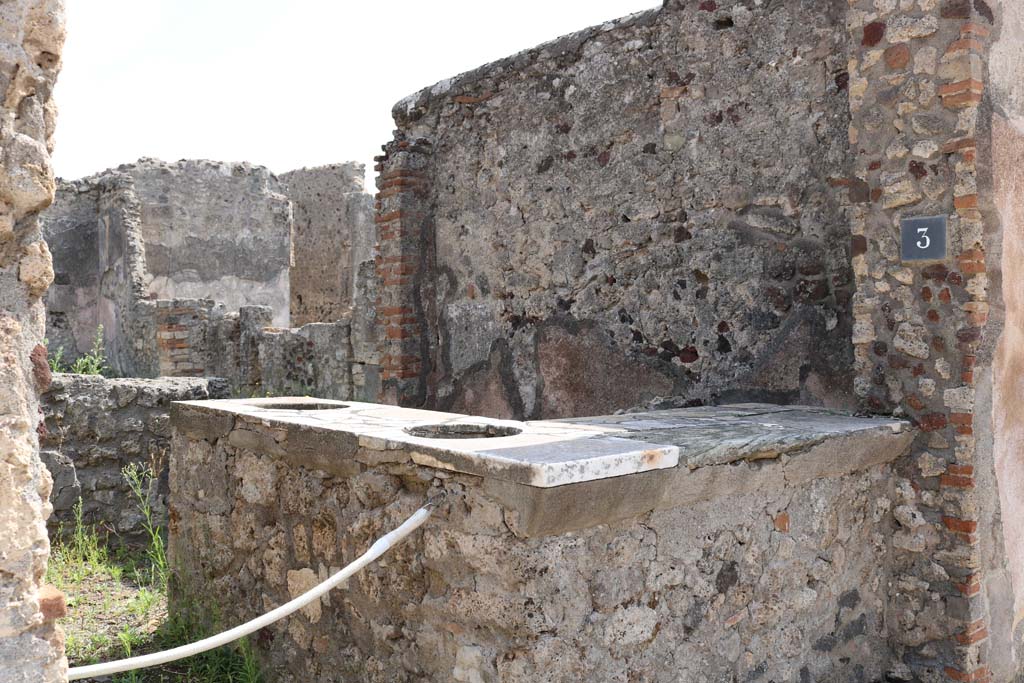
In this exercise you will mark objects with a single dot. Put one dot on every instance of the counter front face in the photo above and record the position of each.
(730, 543)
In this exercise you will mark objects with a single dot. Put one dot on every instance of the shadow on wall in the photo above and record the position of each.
(621, 214)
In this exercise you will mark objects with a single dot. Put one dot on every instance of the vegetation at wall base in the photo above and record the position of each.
(117, 601)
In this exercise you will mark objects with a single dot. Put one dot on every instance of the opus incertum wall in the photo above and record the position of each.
(188, 231)
(651, 197)
(196, 268)
(332, 234)
(717, 200)
(94, 428)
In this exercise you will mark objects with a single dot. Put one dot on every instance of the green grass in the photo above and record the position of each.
(142, 481)
(78, 557)
(229, 664)
(117, 602)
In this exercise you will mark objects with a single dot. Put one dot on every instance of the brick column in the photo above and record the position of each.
(921, 329)
(403, 257)
(181, 331)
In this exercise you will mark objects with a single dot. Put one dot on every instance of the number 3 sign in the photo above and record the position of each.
(923, 238)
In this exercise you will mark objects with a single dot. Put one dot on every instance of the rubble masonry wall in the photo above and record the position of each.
(652, 197)
(31, 40)
(783, 580)
(94, 428)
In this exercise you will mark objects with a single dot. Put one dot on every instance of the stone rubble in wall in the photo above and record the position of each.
(161, 327)
(94, 428)
(916, 83)
(591, 240)
(784, 584)
(915, 87)
(331, 237)
(31, 40)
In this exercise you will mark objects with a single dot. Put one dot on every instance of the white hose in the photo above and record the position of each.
(380, 547)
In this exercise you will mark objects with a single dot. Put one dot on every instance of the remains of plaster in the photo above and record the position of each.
(654, 197)
(203, 230)
(1007, 177)
(187, 267)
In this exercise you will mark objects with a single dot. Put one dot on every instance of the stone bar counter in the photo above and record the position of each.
(742, 542)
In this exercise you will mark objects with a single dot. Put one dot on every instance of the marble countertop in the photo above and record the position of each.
(550, 453)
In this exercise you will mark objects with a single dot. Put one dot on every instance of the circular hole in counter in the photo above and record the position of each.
(301, 405)
(462, 431)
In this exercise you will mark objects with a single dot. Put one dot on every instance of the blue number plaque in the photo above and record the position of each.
(923, 238)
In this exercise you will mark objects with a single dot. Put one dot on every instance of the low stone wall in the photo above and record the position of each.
(200, 338)
(773, 567)
(324, 360)
(313, 360)
(94, 427)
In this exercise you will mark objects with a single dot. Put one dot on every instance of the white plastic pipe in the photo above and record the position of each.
(380, 547)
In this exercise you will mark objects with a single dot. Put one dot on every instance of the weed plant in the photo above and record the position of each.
(115, 596)
(92, 363)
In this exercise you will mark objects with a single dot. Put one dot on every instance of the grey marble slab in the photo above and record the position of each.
(551, 453)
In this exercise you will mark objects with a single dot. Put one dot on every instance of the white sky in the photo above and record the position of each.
(283, 83)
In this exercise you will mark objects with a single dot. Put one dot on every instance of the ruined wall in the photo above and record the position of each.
(100, 261)
(312, 360)
(200, 338)
(164, 257)
(100, 270)
(122, 277)
(31, 39)
(935, 99)
(774, 571)
(97, 426)
(215, 230)
(192, 232)
(74, 297)
(652, 197)
(333, 234)
(608, 171)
